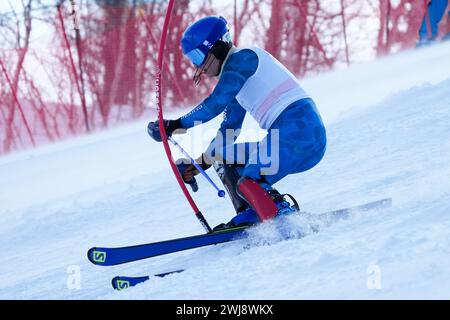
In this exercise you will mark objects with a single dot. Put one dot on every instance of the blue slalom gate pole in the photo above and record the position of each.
(221, 193)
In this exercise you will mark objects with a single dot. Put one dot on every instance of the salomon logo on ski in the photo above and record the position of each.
(122, 285)
(98, 256)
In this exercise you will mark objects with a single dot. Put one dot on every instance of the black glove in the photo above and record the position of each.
(170, 126)
(188, 171)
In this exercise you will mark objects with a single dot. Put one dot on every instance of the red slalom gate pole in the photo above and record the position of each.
(162, 129)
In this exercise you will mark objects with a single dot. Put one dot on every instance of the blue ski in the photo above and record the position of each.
(115, 256)
(122, 283)
(335, 215)
(331, 217)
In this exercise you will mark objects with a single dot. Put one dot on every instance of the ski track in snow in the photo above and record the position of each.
(388, 125)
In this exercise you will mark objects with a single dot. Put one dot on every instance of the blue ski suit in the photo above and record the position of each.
(296, 140)
(436, 10)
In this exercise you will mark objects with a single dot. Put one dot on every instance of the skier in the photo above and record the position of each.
(447, 27)
(436, 11)
(252, 81)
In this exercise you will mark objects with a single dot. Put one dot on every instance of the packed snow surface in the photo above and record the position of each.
(388, 125)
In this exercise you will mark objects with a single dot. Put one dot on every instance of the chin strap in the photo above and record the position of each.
(203, 68)
(218, 52)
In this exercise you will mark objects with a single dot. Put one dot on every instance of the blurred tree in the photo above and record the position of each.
(21, 31)
(399, 24)
(118, 54)
(120, 44)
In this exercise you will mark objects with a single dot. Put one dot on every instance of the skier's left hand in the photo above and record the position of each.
(171, 126)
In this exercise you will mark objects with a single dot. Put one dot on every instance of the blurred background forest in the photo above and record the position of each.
(57, 81)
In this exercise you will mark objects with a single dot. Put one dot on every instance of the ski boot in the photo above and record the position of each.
(267, 200)
(284, 207)
(247, 217)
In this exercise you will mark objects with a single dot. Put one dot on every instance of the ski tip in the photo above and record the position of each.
(96, 256)
(90, 254)
(114, 283)
(122, 283)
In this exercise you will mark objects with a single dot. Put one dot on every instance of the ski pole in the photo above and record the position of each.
(220, 193)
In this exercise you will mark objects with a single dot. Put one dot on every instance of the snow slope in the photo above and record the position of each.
(388, 127)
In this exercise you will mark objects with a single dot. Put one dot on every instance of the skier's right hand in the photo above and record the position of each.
(188, 171)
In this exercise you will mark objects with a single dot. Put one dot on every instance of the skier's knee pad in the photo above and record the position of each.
(258, 198)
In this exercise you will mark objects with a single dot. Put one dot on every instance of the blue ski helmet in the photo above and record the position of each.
(201, 36)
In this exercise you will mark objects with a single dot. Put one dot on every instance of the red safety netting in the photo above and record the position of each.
(68, 82)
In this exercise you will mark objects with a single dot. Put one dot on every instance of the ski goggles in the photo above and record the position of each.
(196, 56)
